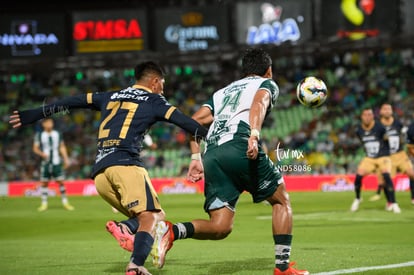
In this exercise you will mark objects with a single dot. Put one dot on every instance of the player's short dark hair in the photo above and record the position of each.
(46, 119)
(367, 108)
(255, 61)
(146, 68)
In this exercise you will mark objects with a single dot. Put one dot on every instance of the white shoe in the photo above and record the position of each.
(388, 206)
(395, 208)
(42, 207)
(163, 241)
(355, 205)
(133, 269)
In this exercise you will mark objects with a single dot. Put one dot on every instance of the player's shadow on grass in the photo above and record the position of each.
(235, 266)
(217, 267)
(116, 268)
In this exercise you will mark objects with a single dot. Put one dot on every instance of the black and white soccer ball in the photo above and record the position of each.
(311, 92)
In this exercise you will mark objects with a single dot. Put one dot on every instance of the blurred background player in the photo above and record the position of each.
(49, 145)
(400, 162)
(410, 149)
(373, 136)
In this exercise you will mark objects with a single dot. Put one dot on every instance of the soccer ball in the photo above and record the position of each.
(311, 92)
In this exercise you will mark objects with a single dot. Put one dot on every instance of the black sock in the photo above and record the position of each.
(132, 224)
(357, 186)
(183, 230)
(379, 189)
(387, 196)
(142, 247)
(412, 188)
(282, 251)
(389, 186)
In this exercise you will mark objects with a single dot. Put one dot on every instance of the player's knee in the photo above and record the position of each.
(219, 230)
(222, 232)
(160, 216)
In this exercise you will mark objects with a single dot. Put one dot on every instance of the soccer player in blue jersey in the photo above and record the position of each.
(234, 162)
(119, 174)
(373, 136)
(400, 162)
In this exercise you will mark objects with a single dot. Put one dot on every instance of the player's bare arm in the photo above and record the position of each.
(410, 149)
(196, 169)
(36, 149)
(257, 115)
(203, 116)
(64, 153)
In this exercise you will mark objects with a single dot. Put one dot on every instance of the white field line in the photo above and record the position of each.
(366, 268)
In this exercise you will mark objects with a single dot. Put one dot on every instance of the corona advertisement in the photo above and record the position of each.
(191, 29)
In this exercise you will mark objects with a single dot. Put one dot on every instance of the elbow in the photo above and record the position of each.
(197, 118)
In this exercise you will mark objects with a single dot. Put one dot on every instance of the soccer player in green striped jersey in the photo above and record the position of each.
(234, 162)
(50, 147)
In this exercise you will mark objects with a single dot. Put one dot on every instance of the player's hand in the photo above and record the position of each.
(66, 163)
(252, 148)
(195, 171)
(44, 156)
(15, 120)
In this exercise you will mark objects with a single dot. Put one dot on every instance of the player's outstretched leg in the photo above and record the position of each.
(163, 241)
(122, 234)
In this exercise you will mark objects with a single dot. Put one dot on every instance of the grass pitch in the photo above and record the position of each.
(327, 237)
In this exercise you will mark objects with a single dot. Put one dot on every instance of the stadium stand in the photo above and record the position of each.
(324, 134)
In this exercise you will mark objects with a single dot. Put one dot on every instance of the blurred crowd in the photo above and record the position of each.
(324, 140)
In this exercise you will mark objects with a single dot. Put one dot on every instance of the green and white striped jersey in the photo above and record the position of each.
(49, 143)
(231, 107)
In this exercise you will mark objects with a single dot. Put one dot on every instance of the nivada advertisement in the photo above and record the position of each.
(32, 35)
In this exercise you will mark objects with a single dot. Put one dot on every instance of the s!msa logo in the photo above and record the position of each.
(24, 38)
(107, 30)
(109, 35)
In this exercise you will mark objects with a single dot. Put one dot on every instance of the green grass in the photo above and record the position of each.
(327, 237)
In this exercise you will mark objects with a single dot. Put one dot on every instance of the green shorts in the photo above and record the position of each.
(228, 172)
(49, 171)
